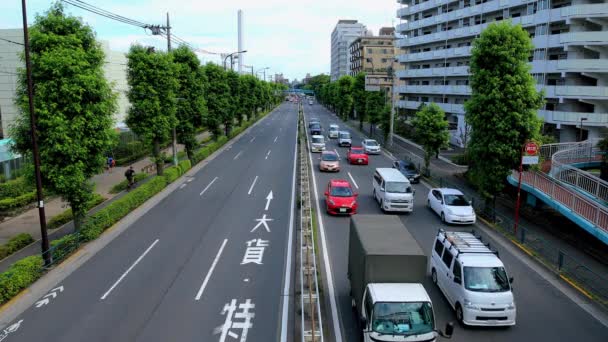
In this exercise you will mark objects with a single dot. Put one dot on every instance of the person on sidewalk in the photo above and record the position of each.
(110, 163)
(130, 174)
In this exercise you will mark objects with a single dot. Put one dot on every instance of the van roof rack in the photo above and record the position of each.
(465, 243)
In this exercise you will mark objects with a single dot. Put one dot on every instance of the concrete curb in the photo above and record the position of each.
(26, 298)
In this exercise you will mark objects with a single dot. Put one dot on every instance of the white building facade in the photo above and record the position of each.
(115, 70)
(570, 59)
(345, 32)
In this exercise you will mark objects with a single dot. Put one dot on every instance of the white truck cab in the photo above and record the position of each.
(473, 280)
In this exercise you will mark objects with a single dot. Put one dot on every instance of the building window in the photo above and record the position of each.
(370, 50)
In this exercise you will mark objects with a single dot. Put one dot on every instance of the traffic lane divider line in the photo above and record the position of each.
(208, 185)
(208, 276)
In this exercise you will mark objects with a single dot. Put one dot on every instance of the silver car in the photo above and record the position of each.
(333, 131)
(371, 146)
(344, 139)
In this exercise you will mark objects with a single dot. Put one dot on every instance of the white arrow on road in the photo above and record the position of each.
(268, 199)
(45, 298)
(42, 302)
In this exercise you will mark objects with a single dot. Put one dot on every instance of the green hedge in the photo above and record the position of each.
(123, 185)
(66, 216)
(19, 276)
(7, 204)
(14, 244)
(15, 188)
(185, 165)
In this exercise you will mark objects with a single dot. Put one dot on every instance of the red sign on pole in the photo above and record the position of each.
(531, 148)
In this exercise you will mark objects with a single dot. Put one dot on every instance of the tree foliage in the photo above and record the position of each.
(360, 98)
(503, 107)
(344, 97)
(73, 104)
(218, 97)
(373, 107)
(152, 90)
(431, 130)
(191, 104)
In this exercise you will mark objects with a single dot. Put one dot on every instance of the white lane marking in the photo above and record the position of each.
(330, 279)
(267, 154)
(217, 257)
(337, 152)
(252, 185)
(207, 187)
(190, 180)
(275, 139)
(129, 270)
(237, 155)
(268, 199)
(252, 139)
(287, 279)
(183, 185)
(352, 179)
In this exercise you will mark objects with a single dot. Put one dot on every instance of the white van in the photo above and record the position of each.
(317, 143)
(392, 190)
(473, 280)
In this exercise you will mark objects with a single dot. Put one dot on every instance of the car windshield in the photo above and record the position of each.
(329, 157)
(317, 140)
(486, 279)
(315, 125)
(408, 167)
(341, 191)
(403, 318)
(398, 187)
(371, 143)
(356, 151)
(456, 200)
(345, 136)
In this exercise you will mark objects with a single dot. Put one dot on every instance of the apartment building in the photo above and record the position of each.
(115, 70)
(343, 34)
(570, 59)
(374, 55)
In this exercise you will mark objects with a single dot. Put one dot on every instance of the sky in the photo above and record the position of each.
(292, 38)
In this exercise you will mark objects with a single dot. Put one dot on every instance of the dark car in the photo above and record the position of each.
(408, 169)
(315, 129)
(313, 121)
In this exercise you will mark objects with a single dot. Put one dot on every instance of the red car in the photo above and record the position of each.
(357, 155)
(340, 197)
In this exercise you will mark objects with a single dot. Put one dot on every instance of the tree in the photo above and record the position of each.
(385, 121)
(360, 97)
(503, 107)
(234, 110)
(191, 105)
(344, 100)
(74, 106)
(152, 89)
(217, 97)
(373, 108)
(247, 84)
(431, 130)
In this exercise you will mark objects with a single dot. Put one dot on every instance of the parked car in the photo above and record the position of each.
(356, 155)
(340, 197)
(329, 161)
(315, 128)
(392, 190)
(344, 139)
(371, 146)
(408, 169)
(473, 280)
(334, 131)
(451, 206)
(317, 143)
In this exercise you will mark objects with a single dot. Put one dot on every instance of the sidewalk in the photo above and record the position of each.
(28, 221)
(548, 226)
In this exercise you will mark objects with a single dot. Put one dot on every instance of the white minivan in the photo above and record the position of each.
(473, 280)
(317, 143)
(392, 190)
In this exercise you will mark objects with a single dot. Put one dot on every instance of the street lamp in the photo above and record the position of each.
(230, 55)
(581, 131)
(263, 69)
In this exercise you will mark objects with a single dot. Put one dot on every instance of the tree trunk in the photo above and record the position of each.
(427, 163)
(158, 160)
(78, 215)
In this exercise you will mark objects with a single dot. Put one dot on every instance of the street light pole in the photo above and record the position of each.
(230, 55)
(46, 253)
(174, 131)
(581, 130)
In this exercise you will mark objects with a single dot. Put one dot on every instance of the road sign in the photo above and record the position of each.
(531, 149)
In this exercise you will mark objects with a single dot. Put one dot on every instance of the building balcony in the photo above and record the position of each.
(401, 42)
(434, 89)
(403, 12)
(573, 118)
(575, 91)
(584, 38)
(584, 11)
(447, 107)
(463, 51)
(570, 65)
(434, 72)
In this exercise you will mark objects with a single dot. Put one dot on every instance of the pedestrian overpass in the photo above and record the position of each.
(299, 91)
(563, 185)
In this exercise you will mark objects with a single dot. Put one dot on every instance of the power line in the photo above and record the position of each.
(10, 41)
(87, 7)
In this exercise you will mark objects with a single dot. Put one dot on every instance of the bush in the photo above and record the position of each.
(184, 166)
(461, 159)
(171, 173)
(17, 202)
(66, 216)
(62, 247)
(19, 276)
(123, 185)
(14, 244)
(15, 188)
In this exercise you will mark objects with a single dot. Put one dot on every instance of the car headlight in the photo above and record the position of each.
(511, 306)
(469, 305)
(353, 204)
(332, 202)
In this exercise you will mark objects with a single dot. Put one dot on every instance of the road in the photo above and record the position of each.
(544, 313)
(209, 263)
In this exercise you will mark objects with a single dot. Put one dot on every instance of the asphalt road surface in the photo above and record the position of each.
(543, 312)
(209, 263)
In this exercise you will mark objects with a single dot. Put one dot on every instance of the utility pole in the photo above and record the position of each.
(174, 129)
(46, 253)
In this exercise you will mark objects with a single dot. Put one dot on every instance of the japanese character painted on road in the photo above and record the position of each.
(254, 252)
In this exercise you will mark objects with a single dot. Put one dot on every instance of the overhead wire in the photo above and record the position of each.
(10, 41)
(87, 7)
